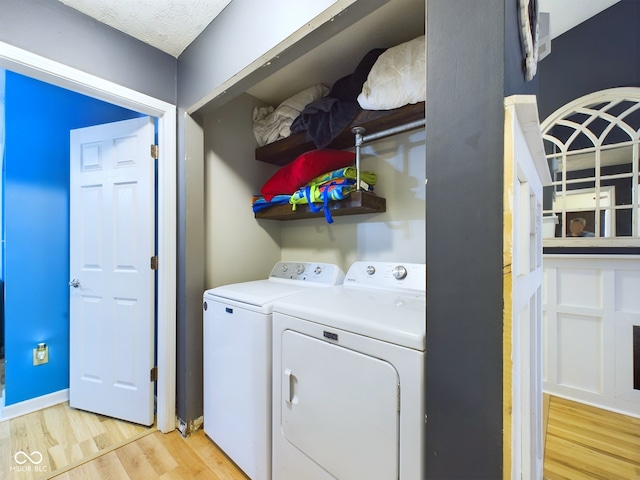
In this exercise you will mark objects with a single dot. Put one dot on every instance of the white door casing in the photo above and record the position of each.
(30, 64)
(112, 292)
(525, 172)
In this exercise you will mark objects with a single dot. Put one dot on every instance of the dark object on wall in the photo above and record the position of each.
(529, 36)
(636, 357)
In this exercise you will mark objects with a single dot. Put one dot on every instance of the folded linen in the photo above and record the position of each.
(259, 203)
(331, 186)
(346, 172)
(270, 125)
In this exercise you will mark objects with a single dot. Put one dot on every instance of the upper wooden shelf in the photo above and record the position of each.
(288, 149)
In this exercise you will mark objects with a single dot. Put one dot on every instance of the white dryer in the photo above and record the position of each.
(348, 377)
(237, 359)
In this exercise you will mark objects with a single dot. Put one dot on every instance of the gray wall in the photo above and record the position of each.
(468, 75)
(190, 269)
(52, 30)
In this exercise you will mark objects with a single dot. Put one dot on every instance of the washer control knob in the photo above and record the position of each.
(300, 269)
(399, 272)
(318, 270)
(371, 270)
(285, 267)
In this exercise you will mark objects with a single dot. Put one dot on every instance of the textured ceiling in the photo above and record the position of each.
(169, 25)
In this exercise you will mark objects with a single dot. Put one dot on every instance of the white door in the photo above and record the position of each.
(112, 284)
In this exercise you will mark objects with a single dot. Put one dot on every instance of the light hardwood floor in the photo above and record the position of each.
(59, 437)
(161, 456)
(581, 442)
(584, 442)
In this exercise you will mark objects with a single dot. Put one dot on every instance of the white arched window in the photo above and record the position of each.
(592, 145)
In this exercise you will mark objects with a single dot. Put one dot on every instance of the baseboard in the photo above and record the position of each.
(33, 405)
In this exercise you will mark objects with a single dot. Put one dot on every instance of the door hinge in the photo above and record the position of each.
(154, 151)
(154, 262)
(153, 374)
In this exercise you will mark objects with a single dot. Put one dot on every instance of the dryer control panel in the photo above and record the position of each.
(388, 275)
(315, 273)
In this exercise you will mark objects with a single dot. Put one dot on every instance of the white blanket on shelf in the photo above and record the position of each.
(270, 125)
(397, 78)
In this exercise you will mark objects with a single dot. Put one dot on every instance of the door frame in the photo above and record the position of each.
(40, 68)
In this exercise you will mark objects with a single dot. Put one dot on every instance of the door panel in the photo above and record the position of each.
(112, 241)
(340, 408)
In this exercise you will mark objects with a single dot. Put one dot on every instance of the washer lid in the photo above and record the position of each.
(259, 293)
(391, 316)
(285, 279)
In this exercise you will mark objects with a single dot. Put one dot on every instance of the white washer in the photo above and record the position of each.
(237, 359)
(348, 377)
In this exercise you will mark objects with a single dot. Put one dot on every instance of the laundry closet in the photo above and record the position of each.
(240, 247)
(471, 68)
(387, 225)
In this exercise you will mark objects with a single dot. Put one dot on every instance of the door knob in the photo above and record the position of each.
(75, 283)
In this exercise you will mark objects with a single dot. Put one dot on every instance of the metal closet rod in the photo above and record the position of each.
(361, 139)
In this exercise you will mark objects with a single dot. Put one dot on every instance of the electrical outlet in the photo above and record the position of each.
(41, 354)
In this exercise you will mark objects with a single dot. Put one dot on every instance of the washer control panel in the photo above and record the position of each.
(404, 276)
(320, 273)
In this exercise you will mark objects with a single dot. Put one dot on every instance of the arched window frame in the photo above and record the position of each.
(576, 121)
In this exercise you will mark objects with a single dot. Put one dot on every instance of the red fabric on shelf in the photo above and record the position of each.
(303, 169)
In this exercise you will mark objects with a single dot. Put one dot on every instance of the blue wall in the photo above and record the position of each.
(36, 215)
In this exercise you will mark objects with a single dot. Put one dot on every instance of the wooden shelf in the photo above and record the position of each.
(357, 203)
(288, 149)
(360, 202)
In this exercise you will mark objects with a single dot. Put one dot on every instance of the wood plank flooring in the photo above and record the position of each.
(584, 442)
(581, 443)
(161, 456)
(62, 436)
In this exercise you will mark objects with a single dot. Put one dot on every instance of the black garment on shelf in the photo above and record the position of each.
(326, 118)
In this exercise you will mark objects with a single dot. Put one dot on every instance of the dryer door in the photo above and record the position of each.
(340, 408)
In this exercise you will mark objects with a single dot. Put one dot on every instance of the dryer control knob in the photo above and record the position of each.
(371, 270)
(285, 267)
(399, 272)
(300, 269)
(318, 270)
